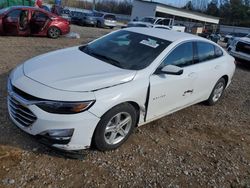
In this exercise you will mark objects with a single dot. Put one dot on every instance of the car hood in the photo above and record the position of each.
(73, 70)
(245, 39)
(140, 23)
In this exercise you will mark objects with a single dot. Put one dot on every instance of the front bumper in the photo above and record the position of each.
(109, 24)
(35, 121)
(83, 125)
(240, 55)
(65, 30)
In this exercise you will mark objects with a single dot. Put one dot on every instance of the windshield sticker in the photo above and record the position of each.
(151, 43)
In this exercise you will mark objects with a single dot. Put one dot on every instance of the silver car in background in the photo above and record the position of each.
(105, 19)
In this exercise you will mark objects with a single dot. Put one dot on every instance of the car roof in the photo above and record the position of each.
(32, 8)
(19, 6)
(163, 34)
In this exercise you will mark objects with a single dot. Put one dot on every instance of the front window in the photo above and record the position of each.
(181, 56)
(126, 50)
(148, 20)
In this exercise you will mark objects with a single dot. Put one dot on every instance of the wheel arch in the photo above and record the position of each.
(226, 78)
(132, 103)
(55, 27)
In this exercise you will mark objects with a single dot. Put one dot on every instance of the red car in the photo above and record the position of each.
(31, 21)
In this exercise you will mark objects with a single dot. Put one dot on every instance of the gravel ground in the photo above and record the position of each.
(199, 146)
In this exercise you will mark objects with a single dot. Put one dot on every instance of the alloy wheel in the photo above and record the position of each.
(218, 91)
(118, 128)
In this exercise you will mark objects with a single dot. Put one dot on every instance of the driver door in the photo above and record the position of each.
(11, 22)
(168, 93)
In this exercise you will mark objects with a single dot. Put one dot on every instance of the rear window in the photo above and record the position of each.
(109, 17)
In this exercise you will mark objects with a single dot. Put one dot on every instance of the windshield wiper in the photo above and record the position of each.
(89, 51)
(110, 60)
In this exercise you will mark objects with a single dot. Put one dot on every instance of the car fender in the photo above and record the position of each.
(134, 91)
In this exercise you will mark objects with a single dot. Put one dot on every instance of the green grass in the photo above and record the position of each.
(6, 3)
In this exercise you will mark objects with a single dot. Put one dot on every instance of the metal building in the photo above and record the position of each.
(143, 8)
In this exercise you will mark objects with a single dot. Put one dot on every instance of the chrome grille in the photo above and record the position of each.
(21, 113)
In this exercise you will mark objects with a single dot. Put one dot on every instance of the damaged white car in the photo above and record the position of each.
(98, 93)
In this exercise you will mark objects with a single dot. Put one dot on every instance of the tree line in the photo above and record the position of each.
(114, 6)
(230, 12)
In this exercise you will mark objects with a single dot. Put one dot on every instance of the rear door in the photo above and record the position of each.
(11, 22)
(39, 21)
(208, 63)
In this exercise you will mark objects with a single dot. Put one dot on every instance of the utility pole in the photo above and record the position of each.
(93, 5)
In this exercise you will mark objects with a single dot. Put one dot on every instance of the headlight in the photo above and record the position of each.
(57, 107)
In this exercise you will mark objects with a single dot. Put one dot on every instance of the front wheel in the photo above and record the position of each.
(54, 32)
(115, 127)
(217, 92)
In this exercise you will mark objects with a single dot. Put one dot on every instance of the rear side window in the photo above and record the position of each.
(39, 16)
(181, 56)
(205, 51)
(164, 22)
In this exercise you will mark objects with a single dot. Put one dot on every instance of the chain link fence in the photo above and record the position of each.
(7, 3)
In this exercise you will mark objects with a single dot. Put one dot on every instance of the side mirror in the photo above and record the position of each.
(171, 69)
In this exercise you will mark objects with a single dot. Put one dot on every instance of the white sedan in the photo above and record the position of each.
(96, 94)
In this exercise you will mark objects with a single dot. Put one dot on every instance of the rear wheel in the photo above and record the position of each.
(217, 92)
(54, 32)
(115, 127)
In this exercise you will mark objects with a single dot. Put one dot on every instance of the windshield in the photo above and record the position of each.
(3, 10)
(89, 14)
(126, 50)
(148, 20)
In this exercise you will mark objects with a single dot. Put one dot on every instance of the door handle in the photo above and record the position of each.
(188, 91)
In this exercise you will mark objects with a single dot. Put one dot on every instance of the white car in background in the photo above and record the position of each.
(157, 22)
(240, 48)
(98, 93)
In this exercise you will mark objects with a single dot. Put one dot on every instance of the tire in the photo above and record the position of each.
(109, 133)
(54, 32)
(217, 92)
(111, 27)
